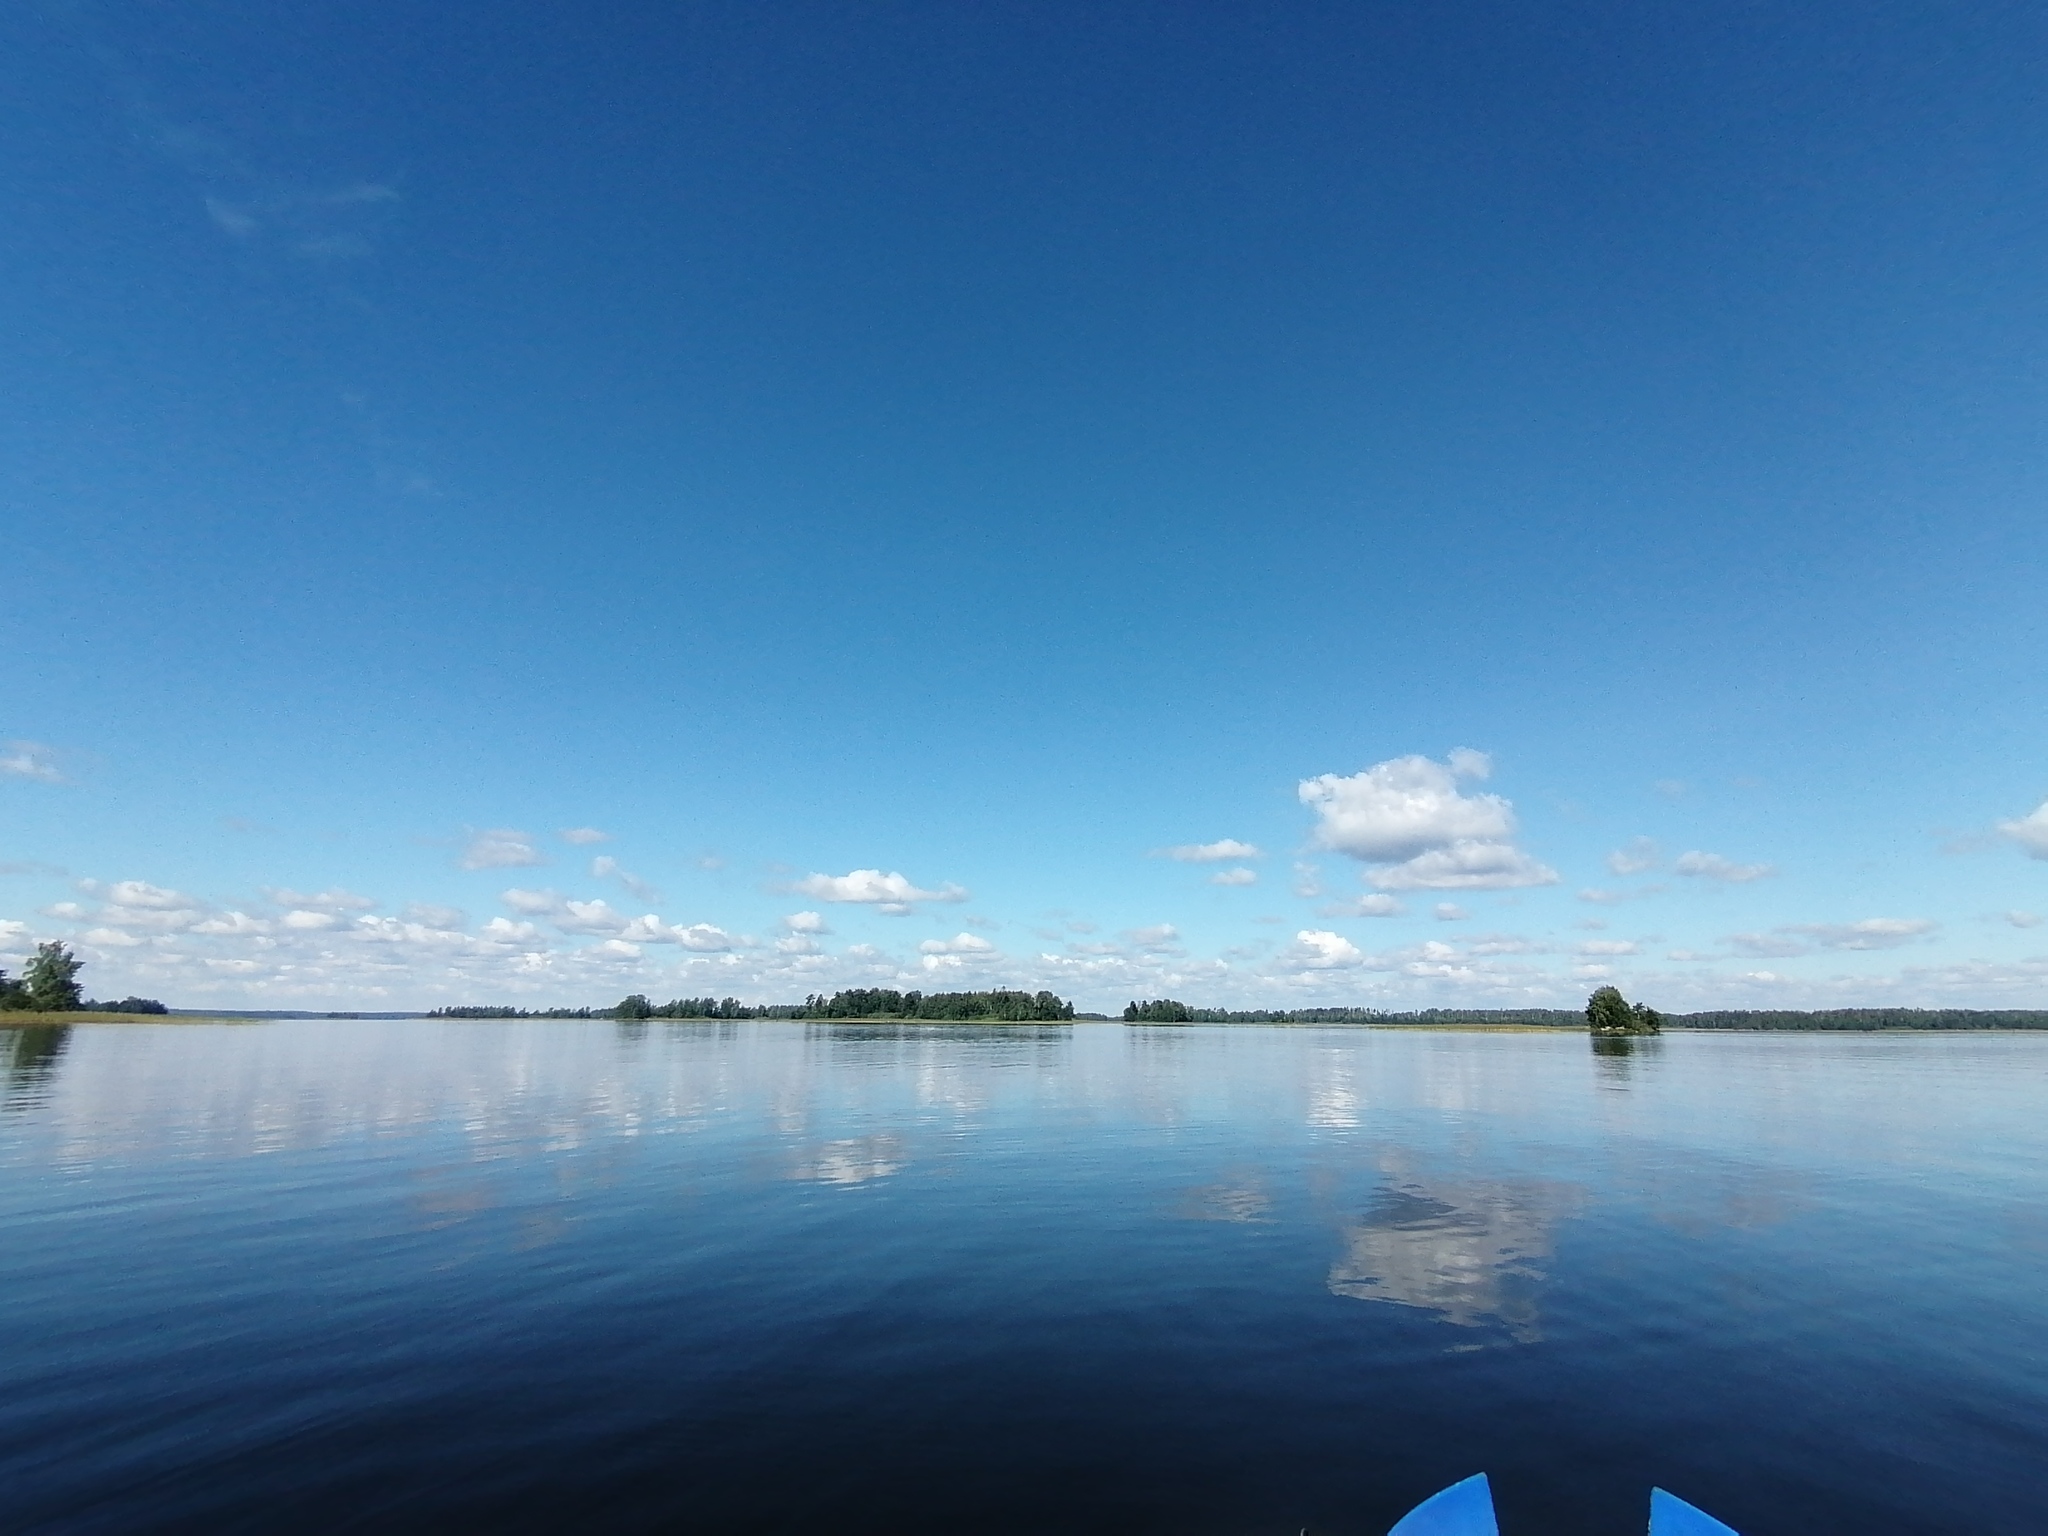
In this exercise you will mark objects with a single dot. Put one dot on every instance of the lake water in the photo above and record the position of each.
(536, 1276)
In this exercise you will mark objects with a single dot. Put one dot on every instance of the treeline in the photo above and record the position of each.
(854, 1003)
(1166, 1010)
(887, 1003)
(1863, 1018)
(49, 984)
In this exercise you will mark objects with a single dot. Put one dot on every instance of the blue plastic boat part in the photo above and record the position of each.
(1463, 1509)
(1672, 1516)
(1466, 1509)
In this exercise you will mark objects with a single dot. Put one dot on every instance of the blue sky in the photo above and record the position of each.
(1563, 484)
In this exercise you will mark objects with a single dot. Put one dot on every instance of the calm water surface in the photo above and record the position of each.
(414, 1276)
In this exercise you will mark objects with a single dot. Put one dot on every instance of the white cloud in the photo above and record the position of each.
(891, 893)
(1235, 877)
(1408, 817)
(334, 899)
(1209, 853)
(959, 944)
(1767, 946)
(1608, 947)
(1871, 933)
(1375, 905)
(234, 923)
(1318, 949)
(1791, 939)
(1465, 866)
(605, 867)
(29, 760)
(2021, 919)
(303, 921)
(11, 931)
(428, 915)
(805, 922)
(1633, 857)
(1711, 866)
(1450, 912)
(502, 849)
(702, 937)
(533, 903)
(2030, 832)
(1160, 936)
(583, 837)
(141, 895)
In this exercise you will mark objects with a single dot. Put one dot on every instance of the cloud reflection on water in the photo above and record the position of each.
(1466, 1251)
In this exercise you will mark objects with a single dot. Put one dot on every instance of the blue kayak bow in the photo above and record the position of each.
(1466, 1509)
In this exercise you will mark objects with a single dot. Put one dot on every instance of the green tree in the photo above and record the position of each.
(1609, 1013)
(51, 979)
(13, 995)
(635, 1007)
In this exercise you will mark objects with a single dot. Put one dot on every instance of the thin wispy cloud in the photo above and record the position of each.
(1711, 866)
(29, 760)
(2029, 831)
(1209, 853)
(1634, 857)
(502, 849)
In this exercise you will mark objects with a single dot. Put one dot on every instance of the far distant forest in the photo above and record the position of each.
(854, 1003)
(1168, 1011)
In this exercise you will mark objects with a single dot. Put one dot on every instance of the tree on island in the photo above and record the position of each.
(1160, 1010)
(1609, 1013)
(50, 980)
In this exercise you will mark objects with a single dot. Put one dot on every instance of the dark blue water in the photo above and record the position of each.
(554, 1277)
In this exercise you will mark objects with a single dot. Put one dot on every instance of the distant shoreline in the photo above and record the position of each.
(1952, 1022)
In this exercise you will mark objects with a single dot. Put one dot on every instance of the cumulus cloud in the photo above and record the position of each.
(959, 944)
(2021, 919)
(532, 903)
(1318, 949)
(583, 837)
(502, 849)
(1711, 866)
(805, 922)
(1235, 877)
(1450, 912)
(29, 760)
(1609, 947)
(1409, 819)
(2030, 832)
(1633, 857)
(1209, 853)
(891, 893)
